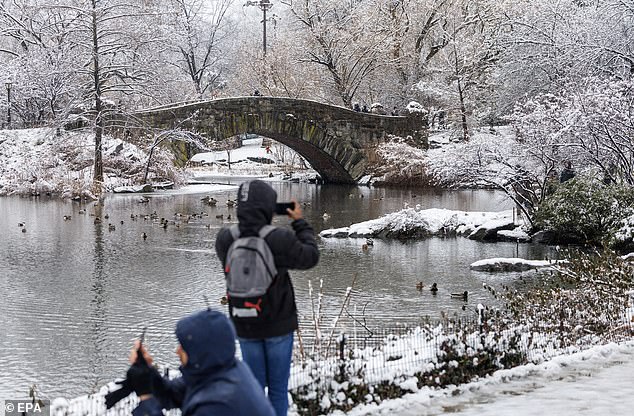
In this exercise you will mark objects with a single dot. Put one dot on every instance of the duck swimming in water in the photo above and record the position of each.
(434, 288)
(464, 295)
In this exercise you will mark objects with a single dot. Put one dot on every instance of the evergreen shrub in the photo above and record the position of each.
(585, 211)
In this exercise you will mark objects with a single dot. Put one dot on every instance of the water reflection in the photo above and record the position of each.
(78, 293)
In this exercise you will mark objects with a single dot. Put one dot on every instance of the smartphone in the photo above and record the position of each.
(142, 337)
(140, 359)
(280, 207)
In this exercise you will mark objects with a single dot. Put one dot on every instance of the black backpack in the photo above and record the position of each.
(249, 272)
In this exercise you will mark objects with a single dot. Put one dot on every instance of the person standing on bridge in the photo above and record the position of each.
(265, 325)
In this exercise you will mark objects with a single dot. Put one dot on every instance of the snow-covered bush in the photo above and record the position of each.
(583, 303)
(432, 355)
(624, 237)
(401, 164)
(584, 210)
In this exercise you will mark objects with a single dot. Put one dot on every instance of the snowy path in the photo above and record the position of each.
(595, 382)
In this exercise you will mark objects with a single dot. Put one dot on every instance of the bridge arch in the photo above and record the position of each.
(336, 141)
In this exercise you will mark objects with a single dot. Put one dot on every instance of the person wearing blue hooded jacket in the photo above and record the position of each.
(213, 381)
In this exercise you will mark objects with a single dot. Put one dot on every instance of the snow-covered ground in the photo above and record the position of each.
(592, 382)
(250, 161)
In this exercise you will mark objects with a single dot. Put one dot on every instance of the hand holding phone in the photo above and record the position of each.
(282, 207)
(138, 354)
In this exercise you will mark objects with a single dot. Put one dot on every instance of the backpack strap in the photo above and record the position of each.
(266, 230)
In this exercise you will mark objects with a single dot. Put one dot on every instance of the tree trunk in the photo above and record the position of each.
(463, 113)
(149, 160)
(98, 164)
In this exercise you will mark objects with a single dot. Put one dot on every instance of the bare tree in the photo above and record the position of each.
(342, 40)
(199, 31)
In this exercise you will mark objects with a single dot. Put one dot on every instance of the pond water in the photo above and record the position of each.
(75, 293)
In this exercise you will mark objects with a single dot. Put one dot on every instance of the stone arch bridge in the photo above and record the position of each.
(338, 143)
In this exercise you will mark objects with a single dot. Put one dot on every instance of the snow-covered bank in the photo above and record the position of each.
(592, 382)
(415, 223)
(51, 161)
(252, 160)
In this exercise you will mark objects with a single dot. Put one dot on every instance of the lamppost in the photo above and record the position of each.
(8, 85)
(264, 5)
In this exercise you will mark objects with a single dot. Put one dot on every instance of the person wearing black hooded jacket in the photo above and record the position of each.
(267, 344)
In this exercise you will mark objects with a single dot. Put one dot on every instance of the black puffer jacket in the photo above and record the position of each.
(294, 249)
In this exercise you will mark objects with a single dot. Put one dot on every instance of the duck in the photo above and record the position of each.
(20, 224)
(369, 241)
(111, 227)
(419, 286)
(220, 216)
(326, 216)
(210, 200)
(24, 229)
(229, 217)
(97, 220)
(82, 211)
(67, 217)
(231, 203)
(464, 295)
(143, 200)
(224, 300)
(434, 288)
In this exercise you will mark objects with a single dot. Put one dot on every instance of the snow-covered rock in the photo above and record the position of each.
(489, 230)
(516, 234)
(412, 223)
(512, 264)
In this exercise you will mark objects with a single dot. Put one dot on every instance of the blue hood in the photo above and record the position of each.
(209, 339)
(256, 205)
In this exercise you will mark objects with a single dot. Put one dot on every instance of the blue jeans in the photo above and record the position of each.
(270, 362)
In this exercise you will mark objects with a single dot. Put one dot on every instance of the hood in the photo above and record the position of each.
(256, 204)
(209, 339)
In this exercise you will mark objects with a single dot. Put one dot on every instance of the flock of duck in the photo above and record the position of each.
(180, 218)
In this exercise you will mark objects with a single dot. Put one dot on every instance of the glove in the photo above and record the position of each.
(141, 376)
(116, 396)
